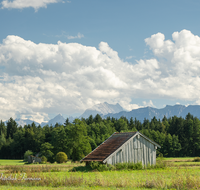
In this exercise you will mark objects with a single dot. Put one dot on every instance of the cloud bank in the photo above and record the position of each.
(36, 79)
(20, 4)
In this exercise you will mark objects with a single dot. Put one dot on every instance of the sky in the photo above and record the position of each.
(60, 56)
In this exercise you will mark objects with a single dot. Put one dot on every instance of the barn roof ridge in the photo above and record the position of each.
(125, 132)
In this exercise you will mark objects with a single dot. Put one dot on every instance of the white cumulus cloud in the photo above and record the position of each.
(20, 4)
(150, 103)
(69, 77)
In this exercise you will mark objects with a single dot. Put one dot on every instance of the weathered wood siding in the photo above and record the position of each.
(136, 149)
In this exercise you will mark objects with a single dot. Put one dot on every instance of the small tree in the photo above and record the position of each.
(45, 150)
(44, 160)
(26, 154)
(61, 157)
(78, 140)
(2, 140)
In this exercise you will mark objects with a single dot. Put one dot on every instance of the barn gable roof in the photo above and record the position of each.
(109, 146)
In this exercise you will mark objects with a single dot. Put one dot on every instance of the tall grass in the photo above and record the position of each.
(123, 176)
(129, 166)
(17, 169)
(179, 180)
(36, 168)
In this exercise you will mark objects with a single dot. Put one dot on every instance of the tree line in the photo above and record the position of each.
(178, 137)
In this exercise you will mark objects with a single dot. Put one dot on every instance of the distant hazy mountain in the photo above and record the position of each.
(116, 111)
(58, 119)
(23, 122)
(102, 109)
(168, 111)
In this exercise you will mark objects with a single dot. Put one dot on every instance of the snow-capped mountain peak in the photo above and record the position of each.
(102, 109)
(57, 119)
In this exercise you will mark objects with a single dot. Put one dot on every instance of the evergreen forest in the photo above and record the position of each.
(177, 136)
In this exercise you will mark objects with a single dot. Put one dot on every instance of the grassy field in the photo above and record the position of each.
(180, 159)
(67, 188)
(4, 162)
(181, 173)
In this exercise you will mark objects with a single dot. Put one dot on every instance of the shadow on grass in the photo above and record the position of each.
(23, 162)
(81, 169)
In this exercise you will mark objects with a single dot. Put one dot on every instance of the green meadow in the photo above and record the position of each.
(180, 173)
(11, 162)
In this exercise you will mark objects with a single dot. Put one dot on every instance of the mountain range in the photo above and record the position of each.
(102, 109)
(168, 111)
(116, 111)
(58, 119)
(23, 122)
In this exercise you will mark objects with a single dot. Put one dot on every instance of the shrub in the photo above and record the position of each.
(121, 166)
(61, 157)
(100, 166)
(129, 166)
(160, 164)
(138, 166)
(44, 160)
(26, 154)
(94, 165)
(197, 159)
(135, 166)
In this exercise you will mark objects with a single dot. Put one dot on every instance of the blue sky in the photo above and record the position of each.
(65, 56)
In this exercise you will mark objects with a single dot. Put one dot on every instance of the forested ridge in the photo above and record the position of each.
(177, 136)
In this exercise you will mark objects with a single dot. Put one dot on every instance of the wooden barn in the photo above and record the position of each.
(125, 147)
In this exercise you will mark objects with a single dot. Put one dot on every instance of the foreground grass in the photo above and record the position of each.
(170, 178)
(59, 177)
(68, 188)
